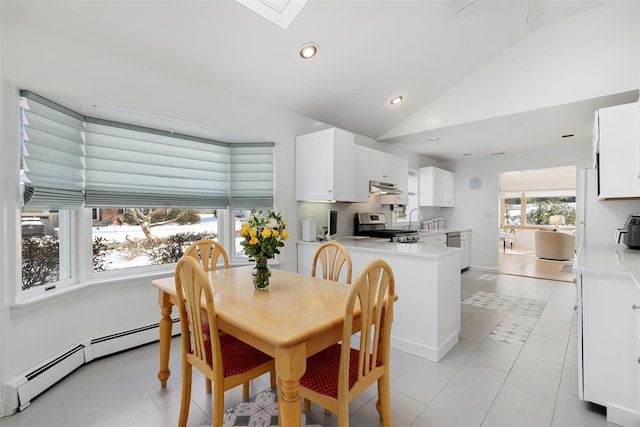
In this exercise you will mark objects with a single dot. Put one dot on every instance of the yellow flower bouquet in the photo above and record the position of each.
(263, 236)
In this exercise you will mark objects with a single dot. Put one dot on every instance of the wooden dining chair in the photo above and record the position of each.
(223, 359)
(338, 374)
(208, 252)
(332, 257)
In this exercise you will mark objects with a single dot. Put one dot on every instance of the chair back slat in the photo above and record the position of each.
(208, 252)
(332, 257)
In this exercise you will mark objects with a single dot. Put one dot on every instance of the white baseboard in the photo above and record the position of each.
(19, 391)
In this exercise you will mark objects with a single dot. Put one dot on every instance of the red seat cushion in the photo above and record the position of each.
(238, 357)
(322, 371)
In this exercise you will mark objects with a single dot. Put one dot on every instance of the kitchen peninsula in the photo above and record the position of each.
(427, 278)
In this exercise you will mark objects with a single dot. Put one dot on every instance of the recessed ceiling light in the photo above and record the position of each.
(433, 138)
(569, 135)
(397, 100)
(307, 51)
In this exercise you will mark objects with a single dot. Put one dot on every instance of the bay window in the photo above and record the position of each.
(137, 197)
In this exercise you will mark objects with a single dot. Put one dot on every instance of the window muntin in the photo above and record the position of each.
(412, 200)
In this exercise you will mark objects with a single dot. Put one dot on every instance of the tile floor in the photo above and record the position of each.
(515, 365)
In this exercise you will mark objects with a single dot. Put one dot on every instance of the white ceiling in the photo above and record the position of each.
(369, 52)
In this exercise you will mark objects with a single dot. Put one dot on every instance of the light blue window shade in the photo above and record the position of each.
(251, 175)
(129, 166)
(53, 154)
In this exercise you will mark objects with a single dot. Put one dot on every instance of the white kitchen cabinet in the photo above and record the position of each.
(382, 167)
(607, 353)
(465, 244)
(617, 146)
(437, 187)
(325, 166)
(360, 174)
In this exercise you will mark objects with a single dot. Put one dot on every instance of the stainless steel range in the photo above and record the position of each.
(373, 224)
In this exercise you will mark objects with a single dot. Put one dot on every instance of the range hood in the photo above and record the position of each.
(377, 187)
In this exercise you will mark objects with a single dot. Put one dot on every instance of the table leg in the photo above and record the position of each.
(290, 366)
(166, 324)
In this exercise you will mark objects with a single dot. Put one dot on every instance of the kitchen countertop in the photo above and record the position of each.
(384, 245)
(608, 260)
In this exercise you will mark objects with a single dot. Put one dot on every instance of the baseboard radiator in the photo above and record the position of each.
(19, 391)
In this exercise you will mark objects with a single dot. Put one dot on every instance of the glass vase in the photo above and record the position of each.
(261, 273)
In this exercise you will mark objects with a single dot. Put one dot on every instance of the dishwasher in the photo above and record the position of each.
(453, 239)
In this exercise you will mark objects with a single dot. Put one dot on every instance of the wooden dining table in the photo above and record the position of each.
(295, 318)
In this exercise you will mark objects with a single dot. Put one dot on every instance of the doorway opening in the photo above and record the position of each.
(534, 201)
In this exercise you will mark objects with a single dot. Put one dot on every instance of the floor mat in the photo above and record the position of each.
(260, 410)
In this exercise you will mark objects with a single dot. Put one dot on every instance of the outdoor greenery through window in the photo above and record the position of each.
(537, 210)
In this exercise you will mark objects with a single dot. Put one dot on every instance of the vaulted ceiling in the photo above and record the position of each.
(369, 52)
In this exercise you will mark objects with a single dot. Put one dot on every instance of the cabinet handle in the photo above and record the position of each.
(635, 307)
(575, 307)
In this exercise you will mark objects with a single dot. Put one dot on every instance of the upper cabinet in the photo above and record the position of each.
(360, 174)
(325, 165)
(617, 151)
(388, 168)
(437, 187)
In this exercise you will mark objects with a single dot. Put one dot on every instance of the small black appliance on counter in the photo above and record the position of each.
(631, 231)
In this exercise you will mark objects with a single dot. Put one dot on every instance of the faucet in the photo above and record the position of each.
(410, 212)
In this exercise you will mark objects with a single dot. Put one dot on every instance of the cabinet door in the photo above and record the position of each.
(436, 187)
(360, 174)
(466, 252)
(619, 152)
(314, 166)
(376, 166)
(325, 166)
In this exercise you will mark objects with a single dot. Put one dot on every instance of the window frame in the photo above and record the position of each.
(523, 210)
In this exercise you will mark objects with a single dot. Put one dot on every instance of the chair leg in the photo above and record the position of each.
(272, 377)
(245, 390)
(207, 385)
(343, 413)
(307, 405)
(383, 405)
(186, 395)
(218, 406)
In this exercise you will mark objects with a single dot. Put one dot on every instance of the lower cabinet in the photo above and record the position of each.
(608, 348)
(465, 244)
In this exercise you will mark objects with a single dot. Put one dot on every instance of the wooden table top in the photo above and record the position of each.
(293, 310)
